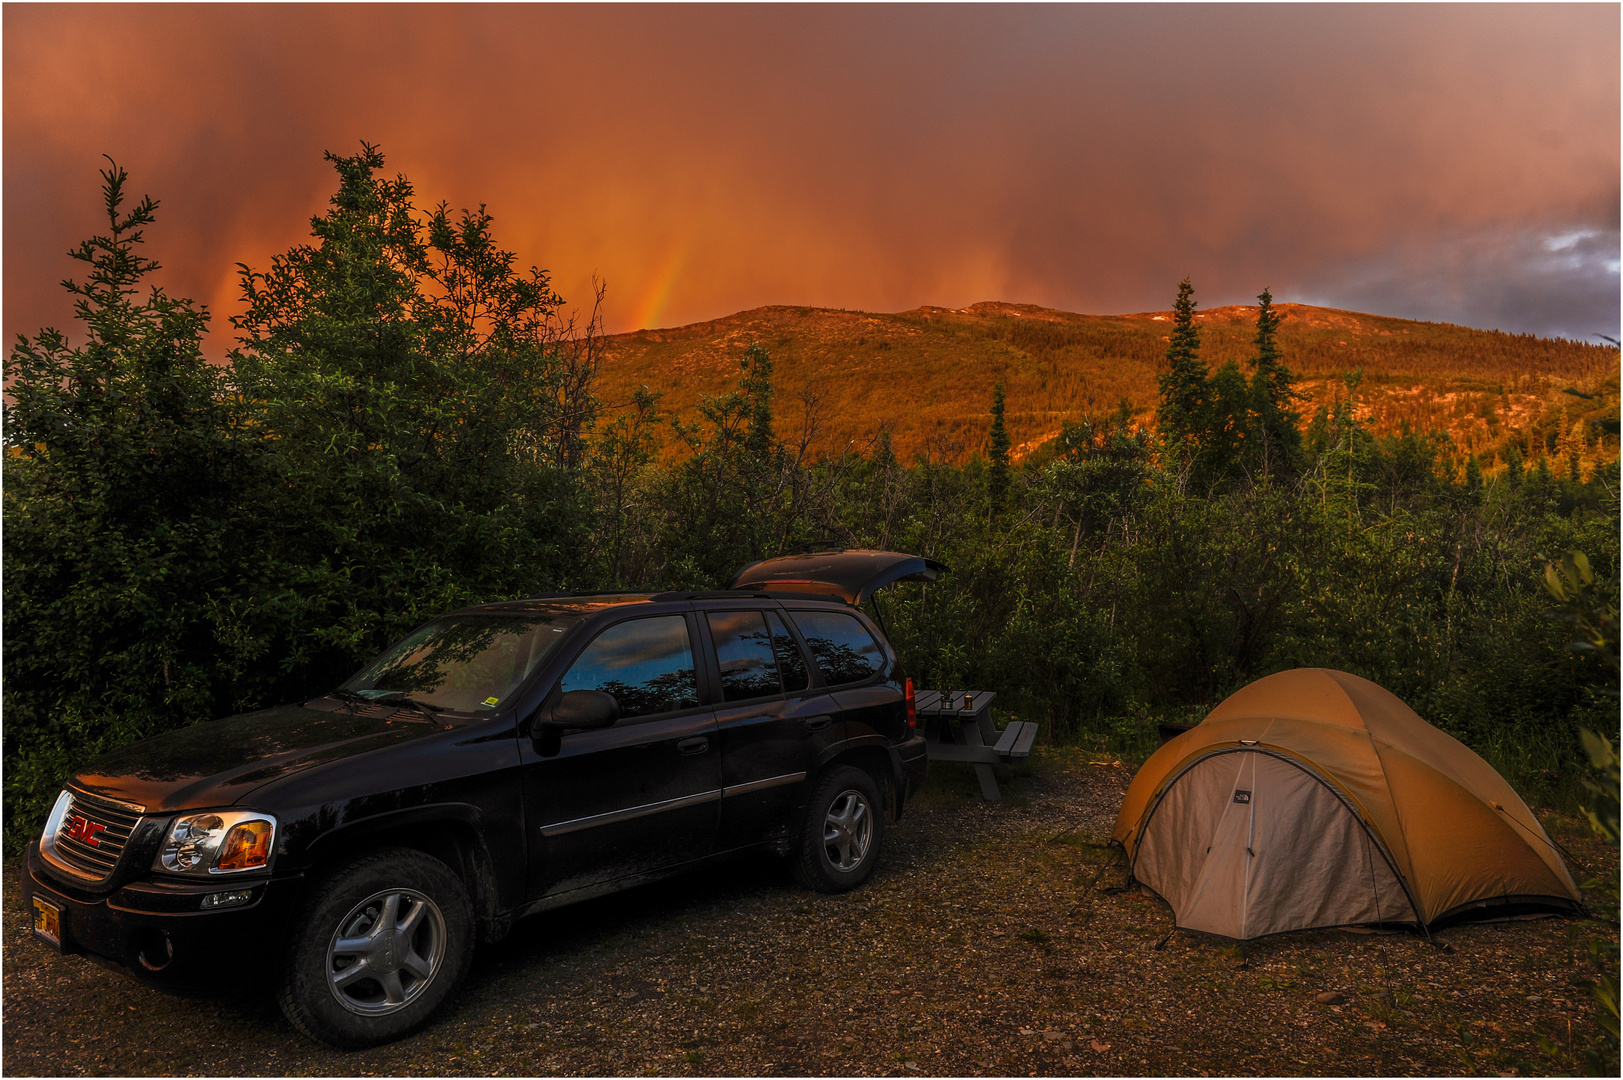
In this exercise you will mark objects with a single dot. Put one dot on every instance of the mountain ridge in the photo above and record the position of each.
(926, 374)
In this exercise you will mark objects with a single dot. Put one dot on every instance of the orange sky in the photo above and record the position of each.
(1457, 162)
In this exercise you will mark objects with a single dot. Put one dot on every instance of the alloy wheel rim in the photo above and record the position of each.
(386, 952)
(847, 830)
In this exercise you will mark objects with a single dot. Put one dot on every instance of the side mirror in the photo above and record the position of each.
(585, 710)
(578, 710)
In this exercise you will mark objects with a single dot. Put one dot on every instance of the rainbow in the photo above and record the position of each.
(656, 292)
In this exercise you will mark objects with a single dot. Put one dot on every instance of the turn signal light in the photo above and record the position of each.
(912, 708)
(247, 845)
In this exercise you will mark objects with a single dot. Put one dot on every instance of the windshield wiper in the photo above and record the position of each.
(350, 699)
(424, 709)
(399, 698)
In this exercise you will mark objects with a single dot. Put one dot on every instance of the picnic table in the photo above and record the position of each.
(958, 727)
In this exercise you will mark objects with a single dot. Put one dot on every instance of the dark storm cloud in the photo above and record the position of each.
(1562, 284)
(1456, 162)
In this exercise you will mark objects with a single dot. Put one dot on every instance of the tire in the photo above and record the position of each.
(842, 831)
(338, 930)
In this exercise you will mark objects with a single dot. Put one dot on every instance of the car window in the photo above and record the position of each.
(466, 663)
(744, 653)
(791, 664)
(844, 649)
(647, 664)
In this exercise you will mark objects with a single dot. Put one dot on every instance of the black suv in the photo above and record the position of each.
(500, 761)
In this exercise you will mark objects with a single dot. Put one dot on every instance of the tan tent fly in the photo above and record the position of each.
(1314, 798)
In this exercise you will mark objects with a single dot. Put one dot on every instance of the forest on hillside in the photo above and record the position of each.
(410, 422)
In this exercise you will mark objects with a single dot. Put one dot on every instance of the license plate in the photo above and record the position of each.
(48, 922)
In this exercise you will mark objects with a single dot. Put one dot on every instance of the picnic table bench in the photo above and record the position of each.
(958, 727)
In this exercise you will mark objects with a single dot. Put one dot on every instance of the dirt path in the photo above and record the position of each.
(983, 945)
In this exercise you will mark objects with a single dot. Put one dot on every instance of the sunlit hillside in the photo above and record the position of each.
(927, 374)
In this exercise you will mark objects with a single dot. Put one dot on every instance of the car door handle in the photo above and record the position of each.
(696, 745)
(817, 723)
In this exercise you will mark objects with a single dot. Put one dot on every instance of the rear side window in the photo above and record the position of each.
(844, 649)
(744, 654)
(647, 664)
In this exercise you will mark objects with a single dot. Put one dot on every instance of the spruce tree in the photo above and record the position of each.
(1277, 426)
(1181, 414)
(756, 387)
(997, 475)
(1473, 475)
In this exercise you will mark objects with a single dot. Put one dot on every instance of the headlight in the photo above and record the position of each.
(53, 824)
(218, 842)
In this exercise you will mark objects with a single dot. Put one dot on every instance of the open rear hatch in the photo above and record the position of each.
(852, 576)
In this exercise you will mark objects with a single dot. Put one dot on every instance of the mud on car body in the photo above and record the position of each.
(498, 762)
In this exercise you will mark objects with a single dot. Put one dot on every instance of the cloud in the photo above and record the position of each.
(1555, 284)
(704, 160)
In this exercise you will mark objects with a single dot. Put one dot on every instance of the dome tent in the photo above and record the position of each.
(1313, 798)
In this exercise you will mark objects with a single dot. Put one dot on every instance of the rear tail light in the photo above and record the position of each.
(912, 708)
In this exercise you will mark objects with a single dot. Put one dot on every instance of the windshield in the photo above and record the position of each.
(470, 663)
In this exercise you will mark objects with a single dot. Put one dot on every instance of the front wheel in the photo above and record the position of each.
(840, 838)
(378, 947)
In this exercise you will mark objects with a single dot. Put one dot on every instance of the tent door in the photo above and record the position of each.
(1247, 843)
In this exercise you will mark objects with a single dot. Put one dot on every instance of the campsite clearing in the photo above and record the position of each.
(988, 942)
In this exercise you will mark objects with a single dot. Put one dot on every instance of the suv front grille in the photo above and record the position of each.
(89, 851)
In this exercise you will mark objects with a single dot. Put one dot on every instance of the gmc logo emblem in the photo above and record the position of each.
(84, 830)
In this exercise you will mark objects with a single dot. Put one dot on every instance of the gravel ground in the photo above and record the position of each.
(992, 940)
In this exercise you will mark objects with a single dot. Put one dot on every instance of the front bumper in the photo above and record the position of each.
(159, 931)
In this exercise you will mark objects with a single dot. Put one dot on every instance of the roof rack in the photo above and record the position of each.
(811, 546)
(746, 594)
(574, 593)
